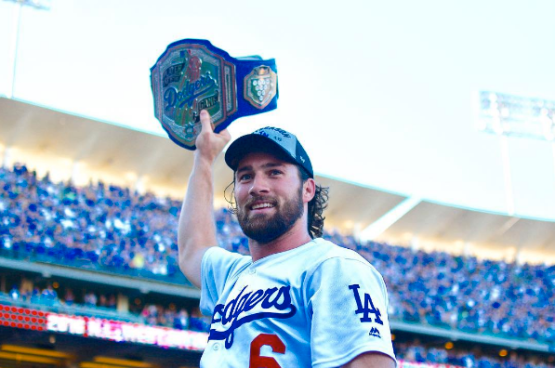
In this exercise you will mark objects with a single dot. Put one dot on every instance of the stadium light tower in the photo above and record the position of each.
(18, 4)
(506, 115)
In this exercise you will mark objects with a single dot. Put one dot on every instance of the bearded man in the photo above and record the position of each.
(298, 300)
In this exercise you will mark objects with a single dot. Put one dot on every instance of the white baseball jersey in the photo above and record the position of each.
(318, 305)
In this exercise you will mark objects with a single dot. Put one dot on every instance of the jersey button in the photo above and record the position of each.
(252, 271)
(216, 347)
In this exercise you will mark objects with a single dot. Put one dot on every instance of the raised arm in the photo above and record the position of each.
(196, 229)
(371, 360)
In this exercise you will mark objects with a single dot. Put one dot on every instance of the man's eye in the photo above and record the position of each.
(275, 172)
(245, 177)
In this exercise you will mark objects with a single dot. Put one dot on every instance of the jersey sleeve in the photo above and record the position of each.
(217, 266)
(348, 302)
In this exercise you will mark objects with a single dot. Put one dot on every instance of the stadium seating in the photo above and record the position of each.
(417, 353)
(99, 306)
(53, 304)
(111, 229)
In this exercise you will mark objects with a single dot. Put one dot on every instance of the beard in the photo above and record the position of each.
(264, 228)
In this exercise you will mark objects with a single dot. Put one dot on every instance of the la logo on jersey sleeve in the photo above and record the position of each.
(366, 309)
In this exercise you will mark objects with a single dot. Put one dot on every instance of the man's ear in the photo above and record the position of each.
(309, 190)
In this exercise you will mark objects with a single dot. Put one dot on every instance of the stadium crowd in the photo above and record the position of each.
(114, 229)
(158, 315)
(95, 302)
(470, 295)
(460, 357)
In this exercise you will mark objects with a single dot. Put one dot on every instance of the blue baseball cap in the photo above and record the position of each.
(272, 140)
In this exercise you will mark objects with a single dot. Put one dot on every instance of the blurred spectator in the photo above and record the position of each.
(35, 295)
(112, 302)
(69, 298)
(90, 299)
(49, 293)
(181, 321)
(48, 296)
(198, 322)
(14, 293)
(102, 300)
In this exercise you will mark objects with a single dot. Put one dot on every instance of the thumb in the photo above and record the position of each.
(205, 121)
(225, 133)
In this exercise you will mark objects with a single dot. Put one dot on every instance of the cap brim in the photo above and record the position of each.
(254, 143)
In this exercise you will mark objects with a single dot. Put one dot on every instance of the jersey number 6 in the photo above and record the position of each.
(259, 341)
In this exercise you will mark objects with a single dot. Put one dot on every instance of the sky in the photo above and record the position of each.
(382, 94)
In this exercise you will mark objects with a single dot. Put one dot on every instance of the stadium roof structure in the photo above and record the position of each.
(82, 148)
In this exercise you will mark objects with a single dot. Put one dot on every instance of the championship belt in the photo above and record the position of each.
(192, 75)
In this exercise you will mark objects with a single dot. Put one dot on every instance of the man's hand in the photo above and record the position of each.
(209, 144)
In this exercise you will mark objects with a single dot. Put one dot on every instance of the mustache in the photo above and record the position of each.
(256, 199)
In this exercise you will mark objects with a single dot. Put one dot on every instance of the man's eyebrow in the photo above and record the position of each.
(272, 164)
(244, 168)
(265, 166)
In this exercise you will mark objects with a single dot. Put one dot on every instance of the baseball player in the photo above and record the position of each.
(298, 300)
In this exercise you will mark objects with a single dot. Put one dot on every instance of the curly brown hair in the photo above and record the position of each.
(316, 206)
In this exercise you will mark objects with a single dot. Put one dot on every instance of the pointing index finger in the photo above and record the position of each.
(206, 121)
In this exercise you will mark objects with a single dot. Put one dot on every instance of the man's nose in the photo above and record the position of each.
(259, 185)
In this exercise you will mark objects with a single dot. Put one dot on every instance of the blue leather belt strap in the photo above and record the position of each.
(192, 75)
